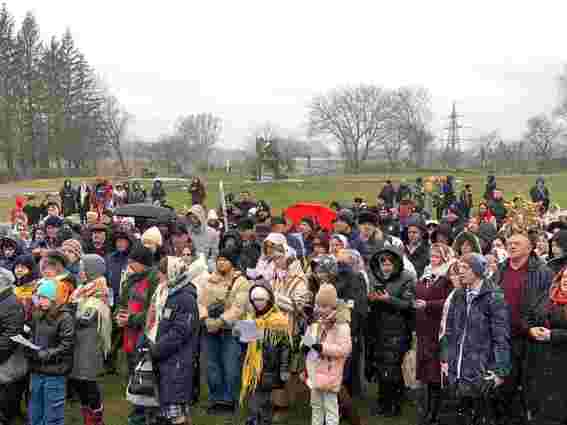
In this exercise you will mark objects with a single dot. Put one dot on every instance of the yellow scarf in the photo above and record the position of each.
(276, 326)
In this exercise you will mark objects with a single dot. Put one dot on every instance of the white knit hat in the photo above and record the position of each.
(152, 235)
(212, 215)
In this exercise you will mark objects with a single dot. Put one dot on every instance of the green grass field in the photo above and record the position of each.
(281, 195)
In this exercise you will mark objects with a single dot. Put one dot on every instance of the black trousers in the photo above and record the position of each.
(510, 402)
(10, 400)
(88, 391)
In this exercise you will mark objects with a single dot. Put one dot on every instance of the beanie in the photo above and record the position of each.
(327, 295)
(47, 289)
(476, 262)
(230, 255)
(53, 221)
(141, 254)
(153, 236)
(74, 246)
(94, 266)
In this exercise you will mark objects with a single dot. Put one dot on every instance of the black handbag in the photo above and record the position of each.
(143, 381)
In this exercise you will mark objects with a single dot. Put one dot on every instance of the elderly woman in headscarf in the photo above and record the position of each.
(172, 329)
(291, 293)
(431, 292)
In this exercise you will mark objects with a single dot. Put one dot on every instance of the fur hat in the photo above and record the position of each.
(366, 217)
(53, 221)
(231, 255)
(74, 246)
(152, 235)
(141, 254)
(327, 295)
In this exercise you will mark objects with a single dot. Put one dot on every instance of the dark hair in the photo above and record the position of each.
(163, 265)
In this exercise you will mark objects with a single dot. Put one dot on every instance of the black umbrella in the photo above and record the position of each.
(148, 211)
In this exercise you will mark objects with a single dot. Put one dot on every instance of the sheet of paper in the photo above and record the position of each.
(21, 340)
(247, 330)
(308, 340)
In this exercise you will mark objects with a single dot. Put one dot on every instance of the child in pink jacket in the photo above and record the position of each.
(327, 345)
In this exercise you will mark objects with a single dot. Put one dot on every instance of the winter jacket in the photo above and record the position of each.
(539, 195)
(54, 331)
(88, 358)
(205, 240)
(388, 193)
(545, 362)
(419, 257)
(477, 338)
(230, 291)
(198, 193)
(537, 282)
(158, 192)
(136, 296)
(390, 323)
(83, 200)
(68, 197)
(325, 371)
(498, 209)
(351, 288)
(116, 265)
(177, 338)
(11, 323)
(434, 291)
(248, 251)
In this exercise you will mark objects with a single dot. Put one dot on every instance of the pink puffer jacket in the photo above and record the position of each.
(325, 372)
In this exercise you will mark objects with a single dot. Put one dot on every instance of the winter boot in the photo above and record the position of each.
(348, 411)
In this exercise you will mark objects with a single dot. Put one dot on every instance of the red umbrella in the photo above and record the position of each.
(321, 215)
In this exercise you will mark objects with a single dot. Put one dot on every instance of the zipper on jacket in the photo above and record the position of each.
(461, 348)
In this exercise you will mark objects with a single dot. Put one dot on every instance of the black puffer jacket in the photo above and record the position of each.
(390, 323)
(11, 323)
(54, 331)
(351, 288)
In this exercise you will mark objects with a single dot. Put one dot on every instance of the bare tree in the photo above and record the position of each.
(114, 120)
(542, 135)
(488, 144)
(200, 132)
(355, 117)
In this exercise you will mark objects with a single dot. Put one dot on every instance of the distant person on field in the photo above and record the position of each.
(388, 194)
(540, 193)
(67, 195)
(197, 191)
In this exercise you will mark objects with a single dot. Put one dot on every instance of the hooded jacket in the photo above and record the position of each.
(205, 240)
(116, 265)
(390, 323)
(68, 197)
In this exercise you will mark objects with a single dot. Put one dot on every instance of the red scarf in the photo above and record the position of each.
(557, 296)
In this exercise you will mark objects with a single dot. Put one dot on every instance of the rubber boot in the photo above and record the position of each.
(348, 411)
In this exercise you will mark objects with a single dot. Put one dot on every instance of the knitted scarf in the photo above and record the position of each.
(94, 296)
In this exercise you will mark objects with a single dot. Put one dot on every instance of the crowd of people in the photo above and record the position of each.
(282, 309)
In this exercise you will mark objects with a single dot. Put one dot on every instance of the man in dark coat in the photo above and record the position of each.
(523, 277)
(417, 247)
(345, 225)
(391, 310)
(388, 194)
(67, 195)
(11, 324)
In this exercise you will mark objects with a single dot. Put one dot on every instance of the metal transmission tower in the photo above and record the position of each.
(453, 146)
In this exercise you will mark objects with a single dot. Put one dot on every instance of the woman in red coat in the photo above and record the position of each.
(431, 292)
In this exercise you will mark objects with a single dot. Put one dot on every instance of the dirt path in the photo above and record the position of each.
(9, 190)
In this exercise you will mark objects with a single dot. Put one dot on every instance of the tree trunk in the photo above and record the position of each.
(121, 159)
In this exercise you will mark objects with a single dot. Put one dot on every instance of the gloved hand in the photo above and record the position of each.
(43, 355)
(284, 377)
(213, 325)
(317, 347)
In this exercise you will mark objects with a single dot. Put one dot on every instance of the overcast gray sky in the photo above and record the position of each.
(253, 61)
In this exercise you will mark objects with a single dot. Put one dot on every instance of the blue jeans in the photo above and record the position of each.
(223, 367)
(47, 400)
